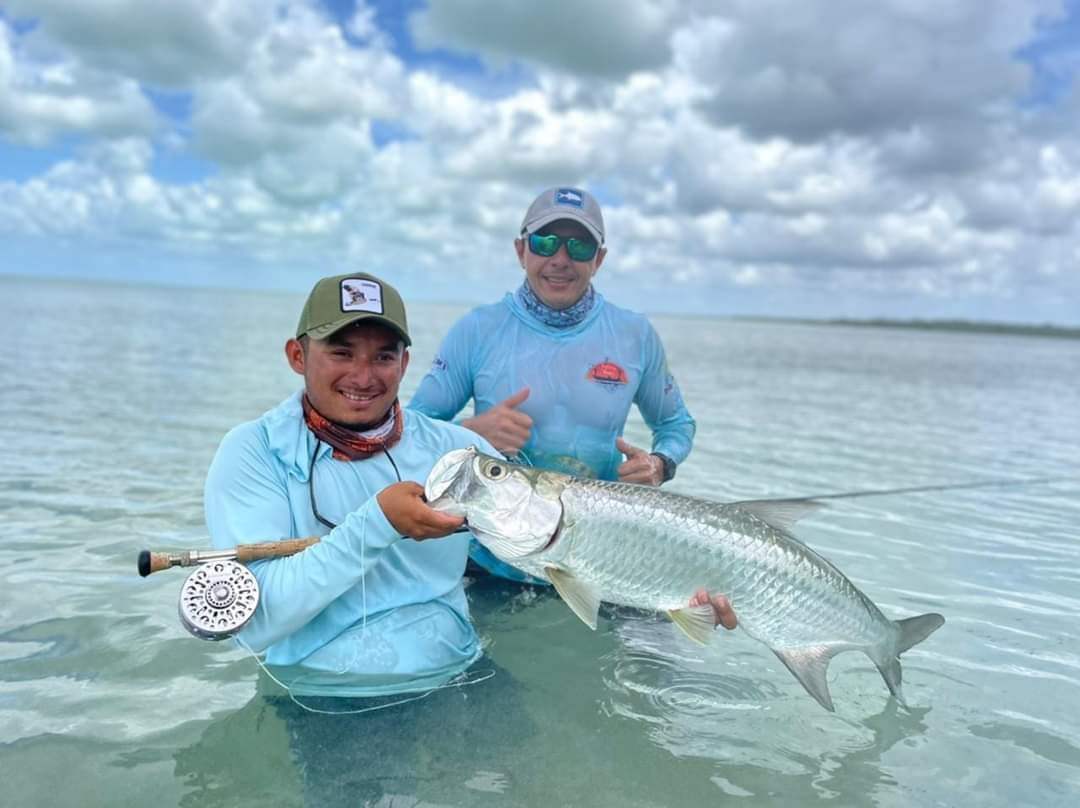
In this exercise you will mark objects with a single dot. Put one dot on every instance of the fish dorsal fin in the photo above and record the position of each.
(809, 664)
(697, 622)
(780, 513)
(577, 595)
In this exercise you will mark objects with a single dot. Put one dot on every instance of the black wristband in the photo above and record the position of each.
(669, 466)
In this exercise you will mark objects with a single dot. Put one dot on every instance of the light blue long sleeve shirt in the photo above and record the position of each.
(364, 612)
(582, 381)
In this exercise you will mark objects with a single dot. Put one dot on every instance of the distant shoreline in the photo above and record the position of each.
(956, 326)
(964, 326)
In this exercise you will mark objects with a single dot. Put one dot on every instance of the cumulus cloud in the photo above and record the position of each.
(166, 44)
(602, 38)
(298, 112)
(40, 101)
(751, 144)
(804, 71)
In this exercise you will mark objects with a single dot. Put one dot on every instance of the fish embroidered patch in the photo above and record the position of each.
(569, 196)
(607, 373)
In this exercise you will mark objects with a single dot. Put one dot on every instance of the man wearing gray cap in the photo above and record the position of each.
(372, 609)
(553, 368)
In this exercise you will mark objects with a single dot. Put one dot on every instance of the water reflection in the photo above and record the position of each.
(724, 705)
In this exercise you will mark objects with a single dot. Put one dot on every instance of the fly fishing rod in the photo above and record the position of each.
(244, 553)
(221, 595)
(922, 489)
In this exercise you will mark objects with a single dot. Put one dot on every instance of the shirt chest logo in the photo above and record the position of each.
(608, 374)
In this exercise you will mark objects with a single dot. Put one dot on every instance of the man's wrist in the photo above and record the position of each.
(667, 466)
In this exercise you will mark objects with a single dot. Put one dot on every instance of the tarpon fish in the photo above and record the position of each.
(639, 546)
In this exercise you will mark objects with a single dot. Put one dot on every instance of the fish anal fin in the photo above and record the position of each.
(809, 664)
(697, 622)
(577, 595)
(782, 514)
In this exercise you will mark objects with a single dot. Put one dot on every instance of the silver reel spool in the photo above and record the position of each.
(218, 599)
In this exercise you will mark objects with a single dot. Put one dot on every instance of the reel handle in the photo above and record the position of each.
(244, 553)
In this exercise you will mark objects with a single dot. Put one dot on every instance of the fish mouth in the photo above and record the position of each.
(447, 470)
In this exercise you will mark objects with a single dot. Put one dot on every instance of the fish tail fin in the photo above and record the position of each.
(913, 630)
(893, 675)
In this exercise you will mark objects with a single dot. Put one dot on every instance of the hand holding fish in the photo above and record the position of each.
(640, 466)
(724, 614)
(504, 427)
(405, 508)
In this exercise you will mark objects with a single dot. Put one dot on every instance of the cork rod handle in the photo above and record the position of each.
(150, 562)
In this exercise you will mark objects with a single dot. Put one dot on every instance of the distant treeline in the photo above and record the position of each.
(972, 326)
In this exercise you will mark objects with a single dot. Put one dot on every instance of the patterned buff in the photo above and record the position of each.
(348, 444)
(556, 318)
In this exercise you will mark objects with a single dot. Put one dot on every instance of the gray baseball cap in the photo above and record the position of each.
(342, 300)
(565, 203)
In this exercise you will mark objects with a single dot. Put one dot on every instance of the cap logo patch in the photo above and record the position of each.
(569, 196)
(359, 294)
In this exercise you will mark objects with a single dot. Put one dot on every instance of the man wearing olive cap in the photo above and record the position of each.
(375, 607)
(366, 611)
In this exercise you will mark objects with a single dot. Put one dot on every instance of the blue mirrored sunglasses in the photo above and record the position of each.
(579, 249)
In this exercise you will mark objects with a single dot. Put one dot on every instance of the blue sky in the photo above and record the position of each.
(768, 157)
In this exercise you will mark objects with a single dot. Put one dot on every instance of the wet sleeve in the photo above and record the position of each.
(448, 385)
(661, 404)
(246, 502)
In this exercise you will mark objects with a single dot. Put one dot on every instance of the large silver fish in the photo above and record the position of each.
(640, 546)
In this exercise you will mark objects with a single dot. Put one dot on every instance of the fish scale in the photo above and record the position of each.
(643, 547)
(611, 545)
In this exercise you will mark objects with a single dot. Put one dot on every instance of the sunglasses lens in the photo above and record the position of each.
(581, 249)
(545, 246)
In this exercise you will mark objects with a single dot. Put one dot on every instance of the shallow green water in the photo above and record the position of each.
(113, 400)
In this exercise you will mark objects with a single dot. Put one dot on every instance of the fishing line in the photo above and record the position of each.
(463, 679)
(916, 489)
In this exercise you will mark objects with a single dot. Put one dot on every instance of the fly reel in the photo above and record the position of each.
(218, 599)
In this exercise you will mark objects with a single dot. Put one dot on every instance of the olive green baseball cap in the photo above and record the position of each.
(342, 300)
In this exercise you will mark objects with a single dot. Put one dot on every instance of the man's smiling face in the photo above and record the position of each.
(558, 280)
(352, 377)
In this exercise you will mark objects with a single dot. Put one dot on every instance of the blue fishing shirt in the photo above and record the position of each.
(365, 612)
(582, 382)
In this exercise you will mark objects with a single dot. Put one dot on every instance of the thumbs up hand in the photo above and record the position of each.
(505, 428)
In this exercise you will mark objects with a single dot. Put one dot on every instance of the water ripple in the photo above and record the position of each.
(92, 658)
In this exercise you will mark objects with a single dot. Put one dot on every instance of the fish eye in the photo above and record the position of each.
(494, 471)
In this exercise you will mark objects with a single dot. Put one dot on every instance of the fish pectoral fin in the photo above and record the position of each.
(576, 594)
(809, 664)
(697, 622)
